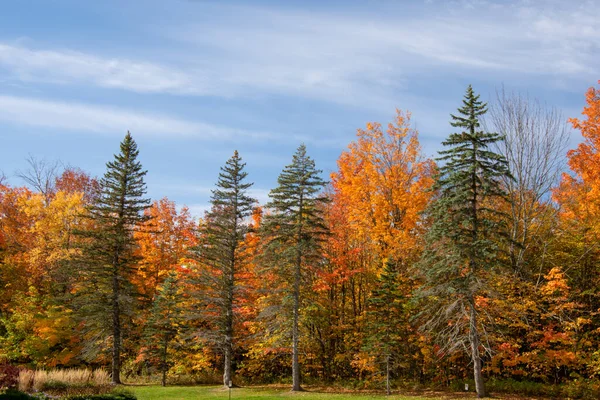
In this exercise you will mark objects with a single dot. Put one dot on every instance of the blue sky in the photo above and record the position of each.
(195, 80)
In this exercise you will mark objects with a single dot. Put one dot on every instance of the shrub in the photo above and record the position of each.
(118, 394)
(13, 394)
(52, 385)
(574, 389)
(581, 389)
(9, 376)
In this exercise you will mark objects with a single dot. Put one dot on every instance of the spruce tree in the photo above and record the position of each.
(164, 323)
(464, 239)
(221, 250)
(385, 316)
(107, 259)
(293, 233)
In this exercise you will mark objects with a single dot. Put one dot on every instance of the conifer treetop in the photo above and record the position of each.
(299, 180)
(232, 189)
(123, 186)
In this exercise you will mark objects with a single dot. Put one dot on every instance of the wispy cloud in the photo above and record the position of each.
(364, 60)
(197, 210)
(261, 195)
(101, 119)
(73, 67)
(370, 58)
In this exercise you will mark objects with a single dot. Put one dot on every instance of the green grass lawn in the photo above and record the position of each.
(213, 393)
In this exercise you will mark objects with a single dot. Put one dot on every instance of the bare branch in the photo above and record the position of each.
(41, 175)
(536, 138)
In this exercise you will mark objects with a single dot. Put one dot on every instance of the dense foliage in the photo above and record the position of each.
(380, 278)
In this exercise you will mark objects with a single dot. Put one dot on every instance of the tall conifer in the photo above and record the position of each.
(107, 259)
(293, 233)
(221, 249)
(463, 241)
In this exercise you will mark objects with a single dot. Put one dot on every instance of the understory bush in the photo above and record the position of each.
(14, 394)
(585, 389)
(117, 394)
(9, 376)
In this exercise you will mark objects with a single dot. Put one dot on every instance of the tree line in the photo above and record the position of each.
(480, 263)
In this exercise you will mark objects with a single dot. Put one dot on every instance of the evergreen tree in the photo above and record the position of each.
(107, 258)
(463, 241)
(163, 324)
(386, 315)
(293, 233)
(221, 249)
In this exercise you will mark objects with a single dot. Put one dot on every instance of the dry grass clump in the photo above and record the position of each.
(26, 379)
(64, 380)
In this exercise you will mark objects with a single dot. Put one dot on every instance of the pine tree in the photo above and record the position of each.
(107, 259)
(164, 323)
(221, 249)
(293, 233)
(463, 241)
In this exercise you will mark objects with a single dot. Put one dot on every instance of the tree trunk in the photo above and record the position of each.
(164, 361)
(228, 345)
(116, 350)
(295, 362)
(475, 356)
(227, 355)
(297, 277)
(387, 375)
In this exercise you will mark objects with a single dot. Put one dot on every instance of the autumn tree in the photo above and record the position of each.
(74, 180)
(108, 259)
(293, 233)
(378, 193)
(335, 320)
(462, 243)
(163, 244)
(15, 240)
(221, 250)
(579, 198)
(383, 180)
(37, 233)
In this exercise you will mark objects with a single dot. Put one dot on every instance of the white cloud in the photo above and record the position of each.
(353, 59)
(362, 60)
(67, 66)
(100, 119)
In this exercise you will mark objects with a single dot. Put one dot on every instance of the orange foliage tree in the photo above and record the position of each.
(384, 180)
(578, 196)
(380, 189)
(164, 241)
